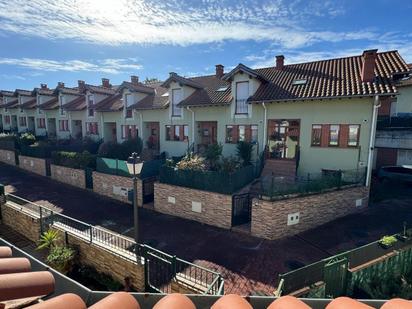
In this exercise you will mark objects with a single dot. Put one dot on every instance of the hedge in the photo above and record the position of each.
(74, 159)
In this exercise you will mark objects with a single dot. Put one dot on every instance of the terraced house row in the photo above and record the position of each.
(307, 116)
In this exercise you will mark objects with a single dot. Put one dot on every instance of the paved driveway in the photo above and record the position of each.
(248, 264)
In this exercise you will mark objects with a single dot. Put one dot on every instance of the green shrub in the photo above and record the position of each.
(213, 153)
(7, 137)
(192, 162)
(74, 159)
(109, 150)
(61, 258)
(27, 139)
(48, 240)
(244, 152)
(229, 164)
(129, 146)
(388, 240)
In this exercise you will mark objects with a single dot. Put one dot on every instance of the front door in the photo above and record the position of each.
(153, 141)
(208, 132)
(283, 138)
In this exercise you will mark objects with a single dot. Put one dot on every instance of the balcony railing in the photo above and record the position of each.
(387, 122)
(241, 107)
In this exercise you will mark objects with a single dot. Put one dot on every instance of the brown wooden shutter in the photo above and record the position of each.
(235, 134)
(181, 133)
(343, 135)
(248, 133)
(325, 135)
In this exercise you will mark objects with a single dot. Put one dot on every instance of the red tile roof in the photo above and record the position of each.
(50, 104)
(23, 92)
(76, 104)
(7, 93)
(182, 80)
(113, 103)
(136, 87)
(11, 104)
(158, 99)
(100, 89)
(43, 91)
(339, 77)
(29, 104)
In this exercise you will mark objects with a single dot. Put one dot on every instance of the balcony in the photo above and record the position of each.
(396, 122)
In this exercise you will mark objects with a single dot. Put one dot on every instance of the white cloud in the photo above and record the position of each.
(109, 66)
(283, 22)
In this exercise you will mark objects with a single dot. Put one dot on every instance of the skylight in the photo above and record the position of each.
(299, 82)
(166, 94)
(224, 88)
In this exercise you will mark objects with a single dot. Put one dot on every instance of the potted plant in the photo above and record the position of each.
(387, 241)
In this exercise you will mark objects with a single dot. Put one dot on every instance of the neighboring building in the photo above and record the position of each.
(306, 117)
(8, 109)
(394, 131)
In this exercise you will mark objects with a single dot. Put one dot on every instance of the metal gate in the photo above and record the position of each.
(335, 272)
(88, 173)
(241, 208)
(148, 189)
(48, 169)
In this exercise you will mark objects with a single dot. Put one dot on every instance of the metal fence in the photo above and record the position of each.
(312, 273)
(394, 122)
(220, 182)
(119, 167)
(275, 186)
(7, 145)
(160, 268)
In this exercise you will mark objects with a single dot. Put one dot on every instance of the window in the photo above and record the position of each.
(242, 94)
(353, 139)
(41, 123)
(247, 133)
(63, 125)
(222, 89)
(23, 121)
(62, 111)
(334, 135)
(176, 98)
(128, 100)
(129, 132)
(92, 128)
(316, 135)
(177, 133)
(7, 119)
(229, 134)
(90, 105)
(299, 82)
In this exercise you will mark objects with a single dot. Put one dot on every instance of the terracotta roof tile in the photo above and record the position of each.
(50, 104)
(76, 104)
(136, 87)
(339, 77)
(180, 79)
(159, 98)
(29, 104)
(43, 91)
(7, 93)
(23, 92)
(100, 89)
(112, 103)
(11, 104)
(66, 90)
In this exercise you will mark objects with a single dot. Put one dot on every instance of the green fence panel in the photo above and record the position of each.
(151, 168)
(112, 167)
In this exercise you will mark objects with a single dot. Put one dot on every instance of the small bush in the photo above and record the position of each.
(229, 164)
(48, 240)
(244, 152)
(109, 150)
(192, 162)
(27, 139)
(7, 137)
(388, 241)
(121, 151)
(213, 153)
(74, 159)
(61, 258)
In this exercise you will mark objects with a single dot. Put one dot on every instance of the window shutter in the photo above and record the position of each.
(172, 133)
(248, 133)
(325, 135)
(181, 133)
(343, 135)
(134, 132)
(235, 134)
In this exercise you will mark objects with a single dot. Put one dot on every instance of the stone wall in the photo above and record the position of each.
(116, 187)
(202, 206)
(7, 156)
(287, 217)
(34, 165)
(24, 223)
(71, 176)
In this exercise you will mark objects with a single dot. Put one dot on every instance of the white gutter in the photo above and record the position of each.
(376, 105)
(101, 126)
(193, 124)
(141, 125)
(264, 126)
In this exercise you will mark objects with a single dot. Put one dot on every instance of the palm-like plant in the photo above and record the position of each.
(244, 152)
(48, 240)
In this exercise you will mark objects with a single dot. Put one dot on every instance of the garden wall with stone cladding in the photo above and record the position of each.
(7, 156)
(290, 216)
(202, 206)
(116, 187)
(70, 176)
(34, 165)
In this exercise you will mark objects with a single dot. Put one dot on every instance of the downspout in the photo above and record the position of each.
(102, 125)
(264, 126)
(141, 125)
(376, 105)
(193, 126)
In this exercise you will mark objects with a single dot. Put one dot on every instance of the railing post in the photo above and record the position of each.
(91, 233)
(41, 220)
(174, 265)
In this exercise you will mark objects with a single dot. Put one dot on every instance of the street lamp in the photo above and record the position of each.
(135, 165)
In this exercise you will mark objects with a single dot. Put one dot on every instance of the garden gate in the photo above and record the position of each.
(88, 173)
(148, 189)
(335, 272)
(48, 168)
(241, 208)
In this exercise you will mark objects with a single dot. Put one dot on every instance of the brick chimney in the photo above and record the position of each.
(60, 84)
(82, 85)
(280, 62)
(220, 70)
(134, 79)
(368, 65)
(106, 83)
(43, 86)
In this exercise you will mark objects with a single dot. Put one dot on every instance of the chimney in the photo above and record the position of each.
(81, 85)
(280, 61)
(368, 65)
(60, 84)
(43, 86)
(134, 79)
(220, 70)
(106, 83)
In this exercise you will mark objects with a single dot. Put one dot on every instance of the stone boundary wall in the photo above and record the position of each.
(116, 187)
(202, 206)
(287, 217)
(70, 176)
(7, 156)
(34, 165)
(24, 223)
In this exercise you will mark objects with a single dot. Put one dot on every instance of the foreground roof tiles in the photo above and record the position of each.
(157, 99)
(339, 77)
(53, 103)
(29, 104)
(113, 103)
(76, 104)
(11, 104)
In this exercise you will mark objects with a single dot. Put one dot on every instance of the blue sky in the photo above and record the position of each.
(47, 41)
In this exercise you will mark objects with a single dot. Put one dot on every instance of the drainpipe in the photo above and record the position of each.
(264, 126)
(102, 126)
(376, 105)
(141, 125)
(193, 126)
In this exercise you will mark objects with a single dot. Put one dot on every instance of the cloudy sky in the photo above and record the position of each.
(47, 41)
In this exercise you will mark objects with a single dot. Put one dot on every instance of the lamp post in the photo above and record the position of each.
(135, 165)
